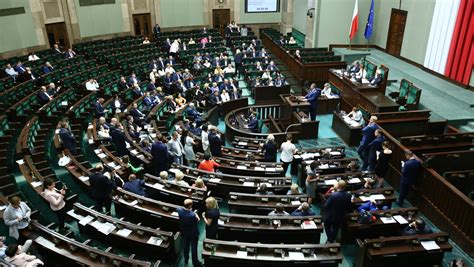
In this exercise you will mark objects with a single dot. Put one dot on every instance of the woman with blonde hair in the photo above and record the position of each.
(199, 183)
(211, 218)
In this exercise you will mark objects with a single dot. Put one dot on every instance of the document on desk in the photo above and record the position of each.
(377, 197)
(400, 219)
(249, 183)
(96, 224)
(36, 184)
(296, 256)
(107, 228)
(158, 186)
(134, 152)
(240, 167)
(242, 254)
(242, 143)
(354, 180)
(124, 232)
(295, 202)
(270, 169)
(429, 245)
(259, 169)
(214, 180)
(324, 166)
(84, 178)
(335, 153)
(155, 240)
(175, 213)
(86, 220)
(330, 182)
(101, 155)
(308, 225)
(387, 220)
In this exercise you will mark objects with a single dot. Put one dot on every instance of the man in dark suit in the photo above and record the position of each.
(376, 79)
(133, 79)
(56, 49)
(156, 30)
(188, 225)
(312, 98)
(215, 142)
(410, 170)
(118, 139)
(44, 96)
(99, 109)
(101, 188)
(253, 123)
(161, 64)
(159, 151)
(374, 147)
(47, 68)
(67, 138)
(368, 135)
(69, 54)
(20, 68)
(137, 91)
(335, 209)
(122, 84)
(417, 227)
(168, 82)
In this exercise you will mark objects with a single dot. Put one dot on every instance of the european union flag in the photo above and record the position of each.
(370, 22)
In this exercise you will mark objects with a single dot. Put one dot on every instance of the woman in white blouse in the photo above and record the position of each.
(225, 96)
(56, 200)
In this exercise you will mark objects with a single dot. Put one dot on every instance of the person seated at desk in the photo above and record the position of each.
(297, 54)
(360, 76)
(355, 67)
(303, 210)
(373, 205)
(278, 211)
(229, 69)
(258, 66)
(266, 75)
(377, 79)
(282, 40)
(253, 123)
(327, 91)
(47, 68)
(199, 184)
(215, 99)
(272, 66)
(146, 41)
(417, 227)
(208, 164)
(134, 185)
(180, 100)
(355, 114)
(206, 63)
(225, 97)
(294, 190)
(292, 40)
(69, 54)
(44, 96)
(10, 71)
(262, 190)
(198, 65)
(178, 179)
(279, 82)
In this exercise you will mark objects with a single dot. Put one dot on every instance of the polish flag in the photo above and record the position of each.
(355, 21)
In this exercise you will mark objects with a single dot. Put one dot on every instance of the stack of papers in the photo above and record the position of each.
(214, 180)
(429, 245)
(354, 180)
(249, 183)
(84, 178)
(298, 256)
(241, 253)
(101, 155)
(107, 228)
(324, 166)
(259, 169)
(242, 143)
(97, 151)
(175, 213)
(295, 202)
(372, 197)
(400, 219)
(155, 240)
(36, 184)
(111, 164)
(86, 220)
(158, 185)
(242, 167)
(387, 220)
(330, 182)
(335, 153)
(134, 152)
(270, 169)
(124, 232)
(308, 225)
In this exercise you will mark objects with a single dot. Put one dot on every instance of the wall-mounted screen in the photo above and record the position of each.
(262, 6)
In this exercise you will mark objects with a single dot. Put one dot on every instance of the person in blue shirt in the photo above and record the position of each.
(135, 185)
(374, 147)
(417, 227)
(373, 205)
(410, 170)
(337, 205)
(188, 225)
(303, 210)
(47, 68)
(312, 98)
(368, 135)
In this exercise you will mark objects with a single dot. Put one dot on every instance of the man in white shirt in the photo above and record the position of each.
(92, 85)
(169, 69)
(33, 57)
(287, 149)
(225, 96)
(229, 69)
(11, 72)
(174, 48)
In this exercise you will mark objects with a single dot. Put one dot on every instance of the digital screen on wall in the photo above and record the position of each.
(262, 6)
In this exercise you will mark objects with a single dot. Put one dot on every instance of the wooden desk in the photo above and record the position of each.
(349, 134)
(401, 251)
(257, 228)
(264, 95)
(217, 253)
(371, 98)
(325, 105)
(263, 204)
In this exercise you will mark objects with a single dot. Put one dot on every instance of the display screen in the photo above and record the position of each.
(262, 6)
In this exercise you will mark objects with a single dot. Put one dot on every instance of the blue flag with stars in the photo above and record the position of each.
(370, 23)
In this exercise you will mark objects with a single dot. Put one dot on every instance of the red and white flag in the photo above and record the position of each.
(355, 21)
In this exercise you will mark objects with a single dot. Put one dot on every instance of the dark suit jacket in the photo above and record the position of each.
(368, 134)
(43, 97)
(159, 151)
(136, 114)
(47, 69)
(99, 110)
(68, 139)
(122, 86)
(336, 206)
(118, 139)
(215, 144)
(101, 186)
(188, 223)
(312, 98)
(410, 171)
(374, 146)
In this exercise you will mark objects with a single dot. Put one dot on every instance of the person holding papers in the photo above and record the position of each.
(56, 200)
(417, 227)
